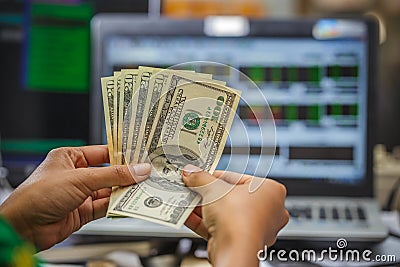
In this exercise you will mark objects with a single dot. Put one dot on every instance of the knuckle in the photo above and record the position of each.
(279, 188)
(95, 195)
(121, 171)
(56, 151)
(90, 172)
(286, 217)
(283, 189)
(190, 182)
(195, 175)
(271, 242)
(193, 178)
(60, 151)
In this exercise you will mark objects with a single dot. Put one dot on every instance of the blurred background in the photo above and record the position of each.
(45, 64)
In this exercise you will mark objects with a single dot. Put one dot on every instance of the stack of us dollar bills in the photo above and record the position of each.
(169, 118)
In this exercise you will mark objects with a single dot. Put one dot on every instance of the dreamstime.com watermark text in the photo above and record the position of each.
(340, 253)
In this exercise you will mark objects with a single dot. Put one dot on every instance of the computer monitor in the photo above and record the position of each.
(42, 43)
(317, 76)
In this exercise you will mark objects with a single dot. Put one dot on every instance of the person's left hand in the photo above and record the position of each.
(63, 194)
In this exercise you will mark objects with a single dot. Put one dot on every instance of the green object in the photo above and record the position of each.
(257, 74)
(336, 72)
(191, 121)
(354, 110)
(14, 251)
(291, 113)
(293, 74)
(313, 113)
(314, 75)
(276, 74)
(59, 48)
(354, 71)
(37, 146)
(337, 110)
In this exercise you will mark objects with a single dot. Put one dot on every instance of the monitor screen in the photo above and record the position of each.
(316, 88)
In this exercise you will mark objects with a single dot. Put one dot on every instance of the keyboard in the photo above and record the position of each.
(330, 218)
(323, 213)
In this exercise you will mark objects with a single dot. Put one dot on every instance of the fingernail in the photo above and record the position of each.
(140, 171)
(188, 169)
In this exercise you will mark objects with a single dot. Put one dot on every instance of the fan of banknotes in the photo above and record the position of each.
(169, 118)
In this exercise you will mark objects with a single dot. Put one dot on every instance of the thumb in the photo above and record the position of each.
(195, 177)
(209, 187)
(116, 175)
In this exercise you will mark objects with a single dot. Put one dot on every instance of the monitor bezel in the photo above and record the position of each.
(103, 25)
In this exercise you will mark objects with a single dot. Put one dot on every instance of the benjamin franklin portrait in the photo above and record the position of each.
(168, 162)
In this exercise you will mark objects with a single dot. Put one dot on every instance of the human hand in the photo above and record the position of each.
(239, 223)
(63, 194)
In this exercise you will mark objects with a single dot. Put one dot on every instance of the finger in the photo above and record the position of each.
(94, 179)
(100, 207)
(233, 177)
(79, 157)
(196, 224)
(102, 193)
(91, 156)
(195, 177)
(271, 242)
(209, 187)
(285, 219)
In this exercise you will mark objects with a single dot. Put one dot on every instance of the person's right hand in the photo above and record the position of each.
(239, 223)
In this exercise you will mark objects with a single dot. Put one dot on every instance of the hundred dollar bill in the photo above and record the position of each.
(108, 91)
(196, 116)
(139, 91)
(137, 112)
(158, 83)
(107, 86)
(147, 201)
(117, 95)
(128, 78)
(133, 124)
(191, 128)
